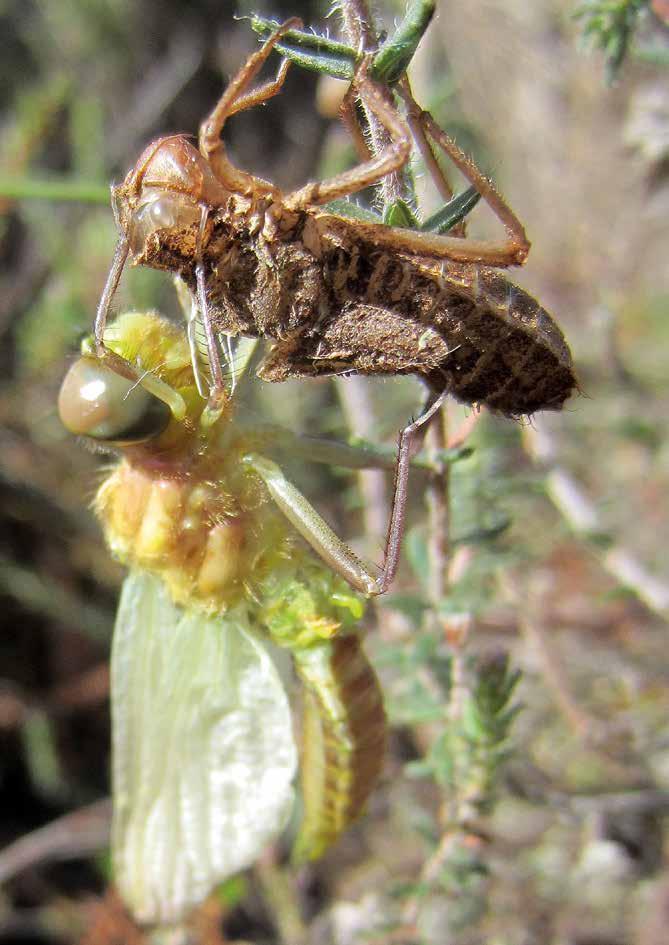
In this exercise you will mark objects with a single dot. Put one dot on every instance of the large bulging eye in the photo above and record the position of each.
(97, 402)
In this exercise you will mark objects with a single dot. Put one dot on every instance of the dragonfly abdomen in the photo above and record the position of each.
(344, 735)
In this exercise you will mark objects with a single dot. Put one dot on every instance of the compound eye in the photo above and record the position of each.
(97, 402)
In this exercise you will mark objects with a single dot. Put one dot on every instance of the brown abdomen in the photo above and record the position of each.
(464, 328)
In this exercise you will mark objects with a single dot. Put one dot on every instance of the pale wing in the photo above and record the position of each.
(203, 750)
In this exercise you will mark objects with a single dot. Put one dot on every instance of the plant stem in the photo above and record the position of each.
(437, 500)
(361, 32)
(54, 189)
(358, 24)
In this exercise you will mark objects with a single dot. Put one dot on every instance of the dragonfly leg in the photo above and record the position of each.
(312, 526)
(235, 99)
(113, 279)
(321, 537)
(391, 159)
(350, 119)
(409, 438)
(115, 361)
(422, 121)
(434, 169)
(188, 305)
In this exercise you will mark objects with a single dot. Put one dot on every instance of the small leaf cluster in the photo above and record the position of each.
(469, 753)
(609, 25)
(420, 696)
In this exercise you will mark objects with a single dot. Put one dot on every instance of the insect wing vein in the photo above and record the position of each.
(204, 752)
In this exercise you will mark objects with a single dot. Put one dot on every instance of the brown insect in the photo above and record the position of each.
(338, 295)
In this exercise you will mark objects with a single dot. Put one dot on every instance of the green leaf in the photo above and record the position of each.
(352, 211)
(310, 50)
(400, 214)
(392, 60)
(453, 212)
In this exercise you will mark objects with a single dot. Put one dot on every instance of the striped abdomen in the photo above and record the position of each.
(344, 736)
(463, 327)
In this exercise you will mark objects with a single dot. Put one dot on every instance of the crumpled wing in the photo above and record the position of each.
(203, 750)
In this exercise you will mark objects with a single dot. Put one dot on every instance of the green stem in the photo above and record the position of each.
(57, 190)
(311, 51)
(392, 60)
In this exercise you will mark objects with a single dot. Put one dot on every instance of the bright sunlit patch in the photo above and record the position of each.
(93, 390)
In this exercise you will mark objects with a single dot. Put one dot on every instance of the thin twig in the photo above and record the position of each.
(76, 835)
(280, 893)
(582, 515)
(361, 32)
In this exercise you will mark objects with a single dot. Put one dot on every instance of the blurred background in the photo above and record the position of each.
(547, 826)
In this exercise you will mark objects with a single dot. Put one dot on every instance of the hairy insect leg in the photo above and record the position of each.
(322, 538)
(348, 116)
(236, 99)
(113, 279)
(263, 93)
(390, 160)
(113, 360)
(456, 204)
(511, 251)
(409, 438)
(432, 165)
(517, 243)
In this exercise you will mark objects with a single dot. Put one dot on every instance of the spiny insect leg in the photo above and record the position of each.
(409, 438)
(390, 160)
(432, 165)
(236, 99)
(348, 116)
(113, 279)
(263, 93)
(517, 244)
(318, 534)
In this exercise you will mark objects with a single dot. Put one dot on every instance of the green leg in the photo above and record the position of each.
(325, 542)
(357, 454)
(313, 527)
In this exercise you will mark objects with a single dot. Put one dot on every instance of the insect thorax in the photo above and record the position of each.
(193, 535)
(213, 551)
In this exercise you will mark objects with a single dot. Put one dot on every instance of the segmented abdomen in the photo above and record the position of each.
(344, 735)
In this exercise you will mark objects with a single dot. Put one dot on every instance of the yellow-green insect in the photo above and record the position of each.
(204, 752)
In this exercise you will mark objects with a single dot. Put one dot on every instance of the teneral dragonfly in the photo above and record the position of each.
(204, 753)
